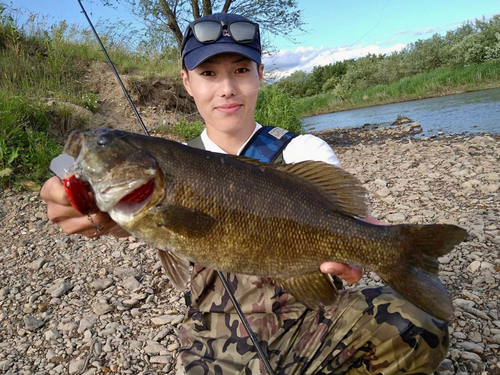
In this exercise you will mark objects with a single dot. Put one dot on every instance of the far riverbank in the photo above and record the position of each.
(440, 82)
(467, 113)
(365, 135)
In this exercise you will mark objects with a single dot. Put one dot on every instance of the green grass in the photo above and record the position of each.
(316, 104)
(42, 67)
(442, 81)
(35, 67)
(184, 129)
(25, 148)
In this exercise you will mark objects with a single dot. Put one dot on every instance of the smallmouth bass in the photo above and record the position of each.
(237, 215)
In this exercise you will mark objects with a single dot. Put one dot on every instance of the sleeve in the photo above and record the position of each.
(309, 147)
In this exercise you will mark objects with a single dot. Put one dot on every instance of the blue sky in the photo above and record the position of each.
(335, 29)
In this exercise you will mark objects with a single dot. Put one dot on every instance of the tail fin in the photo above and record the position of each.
(414, 272)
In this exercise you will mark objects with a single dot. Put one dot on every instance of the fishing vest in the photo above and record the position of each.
(266, 145)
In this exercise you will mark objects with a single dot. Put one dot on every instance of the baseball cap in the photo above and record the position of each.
(195, 52)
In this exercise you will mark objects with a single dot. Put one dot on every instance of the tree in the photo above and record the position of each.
(295, 84)
(493, 52)
(278, 17)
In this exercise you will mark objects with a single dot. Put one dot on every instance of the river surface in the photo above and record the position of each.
(468, 113)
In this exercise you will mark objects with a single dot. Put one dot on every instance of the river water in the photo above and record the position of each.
(468, 113)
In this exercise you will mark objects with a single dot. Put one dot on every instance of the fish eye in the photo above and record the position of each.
(103, 139)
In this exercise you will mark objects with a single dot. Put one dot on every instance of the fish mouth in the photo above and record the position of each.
(123, 178)
(140, 194)
(135, 200)
(132, 195)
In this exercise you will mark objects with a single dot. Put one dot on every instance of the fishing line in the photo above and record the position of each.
(374, 27)
(114, 70)
(244, 320)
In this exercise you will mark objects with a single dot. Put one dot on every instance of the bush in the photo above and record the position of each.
(25, 147)
(276, 108)
(189, 130)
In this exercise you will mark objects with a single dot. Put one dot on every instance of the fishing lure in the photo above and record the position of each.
(78, 195)
(75, 189)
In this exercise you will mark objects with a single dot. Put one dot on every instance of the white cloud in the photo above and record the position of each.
(285, 62)
(412, 33)
(427, 31)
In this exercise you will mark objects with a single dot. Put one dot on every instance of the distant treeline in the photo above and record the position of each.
(472, 43)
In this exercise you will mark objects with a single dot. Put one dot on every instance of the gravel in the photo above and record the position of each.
(70, 305)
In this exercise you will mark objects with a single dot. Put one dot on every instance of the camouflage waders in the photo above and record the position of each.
(370, 331)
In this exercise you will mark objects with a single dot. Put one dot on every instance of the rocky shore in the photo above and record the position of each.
(69, 305)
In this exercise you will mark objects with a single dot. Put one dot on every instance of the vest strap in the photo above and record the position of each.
(267, 144)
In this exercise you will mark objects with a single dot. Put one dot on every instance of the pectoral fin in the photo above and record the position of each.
(184, 221)
(313, 290)
(176, 267)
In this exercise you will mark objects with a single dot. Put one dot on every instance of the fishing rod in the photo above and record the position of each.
(223, 279)
(136, 112)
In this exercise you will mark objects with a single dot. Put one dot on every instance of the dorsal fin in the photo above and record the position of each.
(337, 185)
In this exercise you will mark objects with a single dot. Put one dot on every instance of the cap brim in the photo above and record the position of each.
(206, 51)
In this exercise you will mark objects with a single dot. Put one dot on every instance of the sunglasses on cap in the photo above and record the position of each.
(208, 31)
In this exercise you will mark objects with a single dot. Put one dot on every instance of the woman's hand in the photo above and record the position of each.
(351, 274)
(70, 220)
